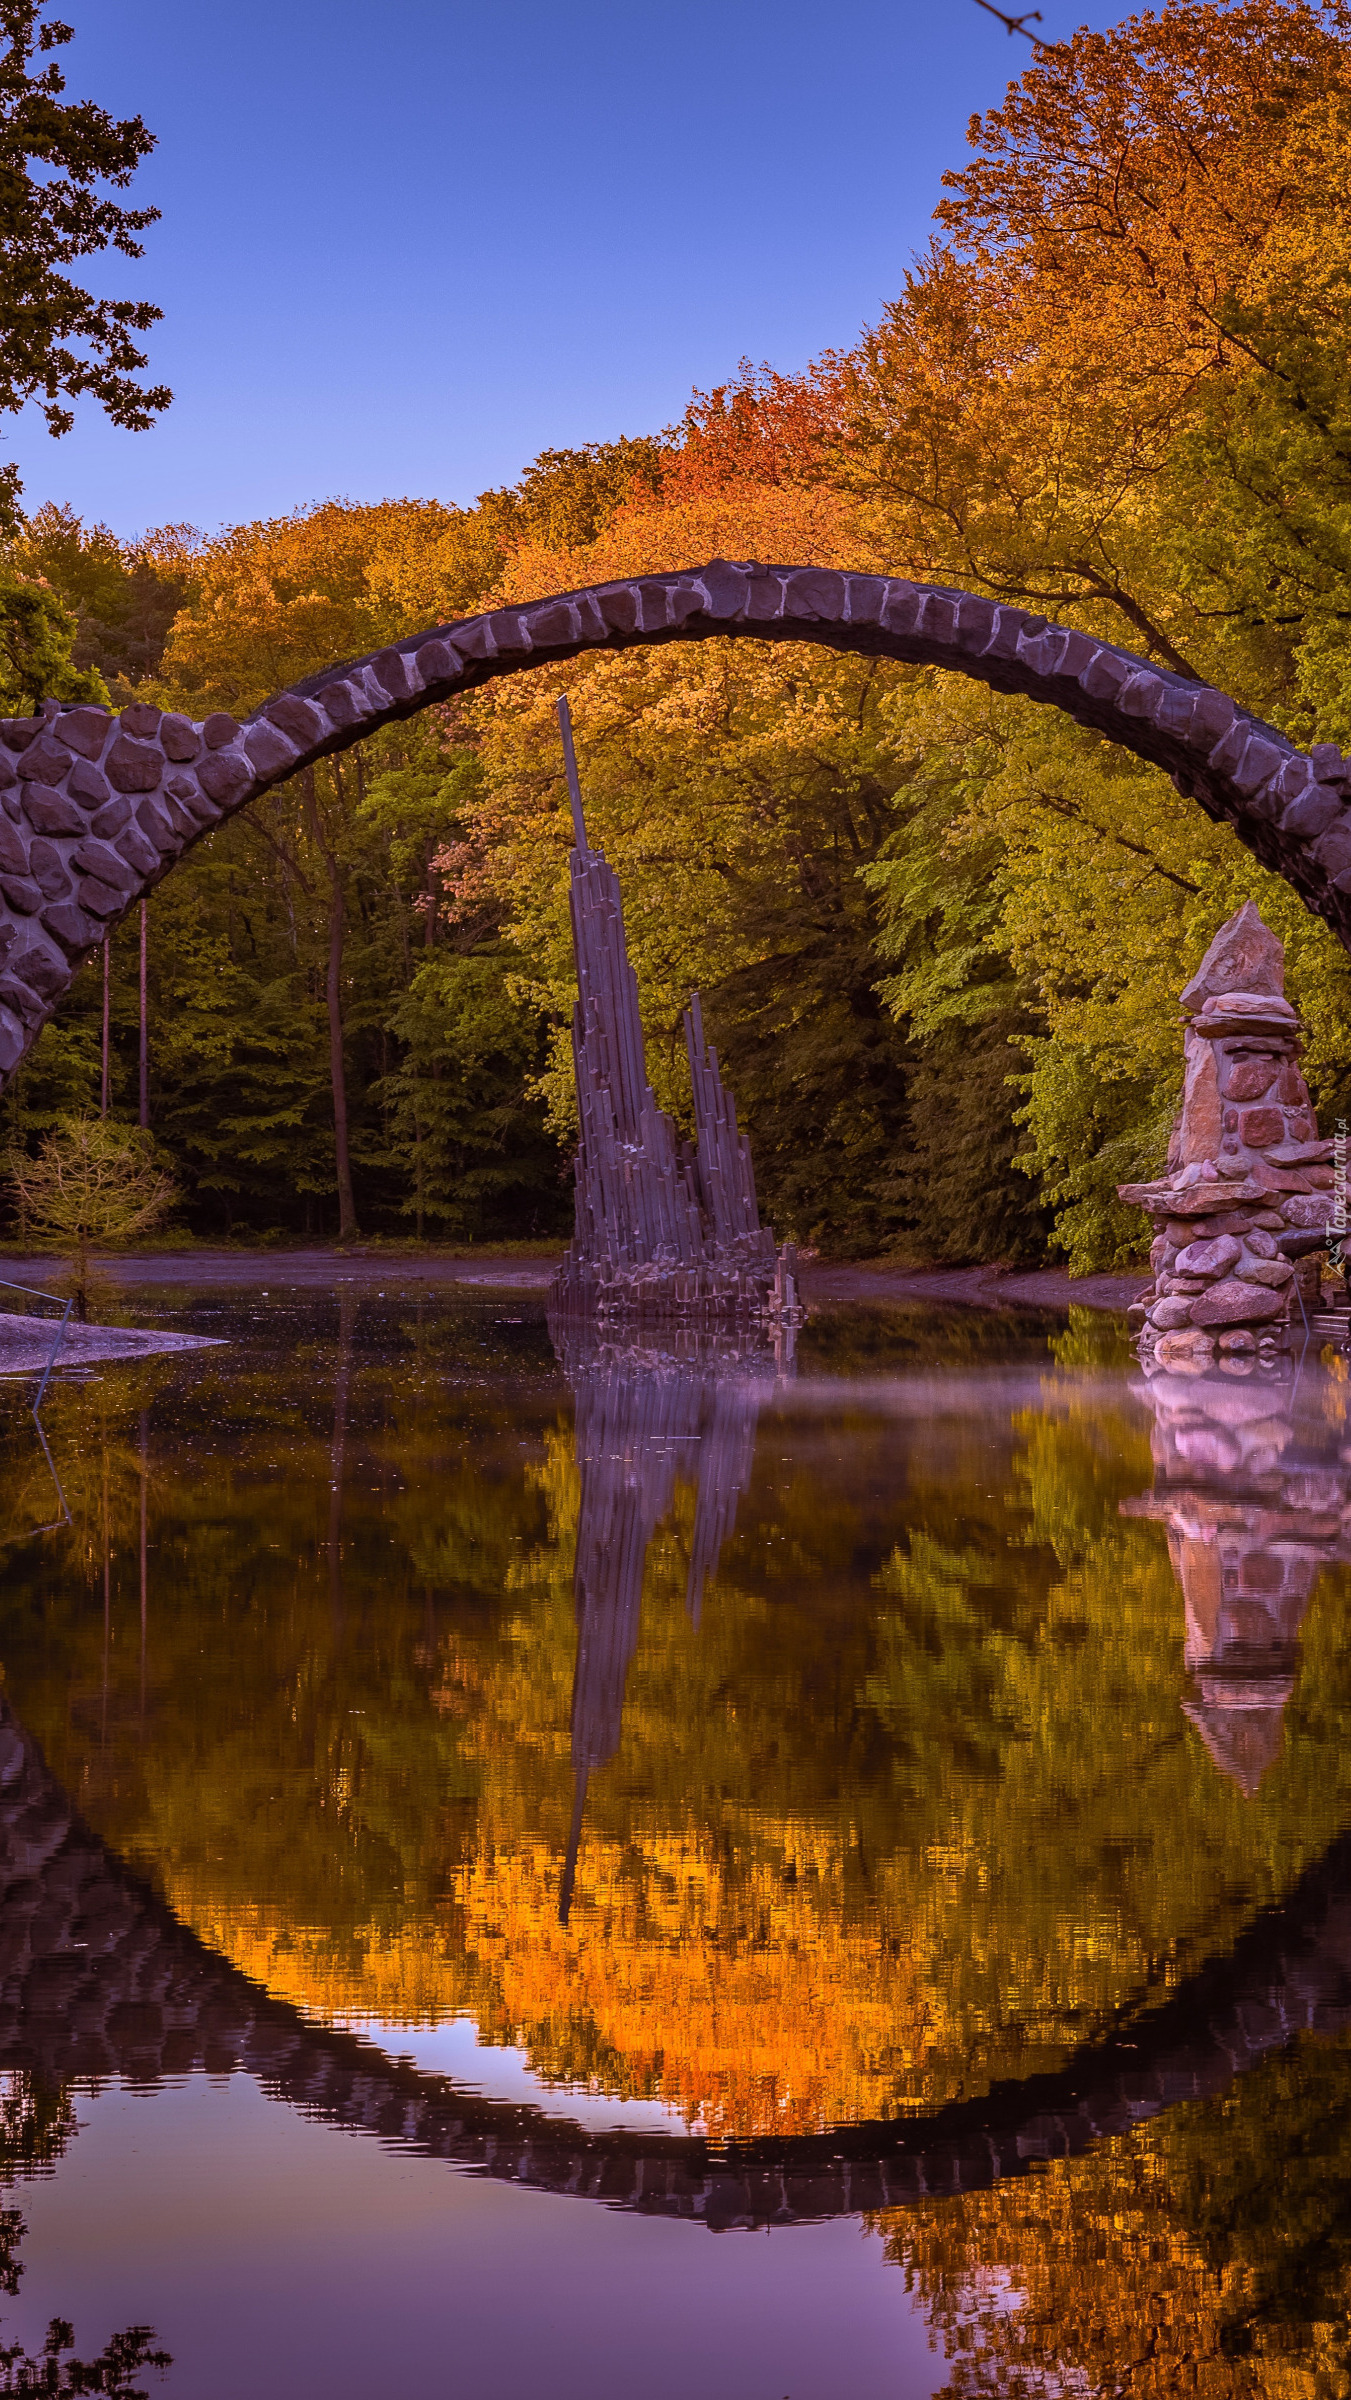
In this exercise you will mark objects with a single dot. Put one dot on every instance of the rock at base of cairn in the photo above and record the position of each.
(1248, 1184)
(664, 1229)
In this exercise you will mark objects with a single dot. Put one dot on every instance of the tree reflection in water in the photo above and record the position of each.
(36, 2122)
(1210, 2250)
(928, 1761)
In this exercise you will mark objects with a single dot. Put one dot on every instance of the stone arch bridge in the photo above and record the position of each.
(95, 809)
(99, 1978)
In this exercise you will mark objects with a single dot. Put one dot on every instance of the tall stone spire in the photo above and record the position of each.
(661, 1228)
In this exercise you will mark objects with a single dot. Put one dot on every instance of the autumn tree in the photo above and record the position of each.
(93, 1184)
(1112, 389)
(273, 602)
(1110, 264)
(939, 932)
(330, 899)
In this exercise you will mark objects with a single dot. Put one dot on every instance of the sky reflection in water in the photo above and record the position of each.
(773, 1752)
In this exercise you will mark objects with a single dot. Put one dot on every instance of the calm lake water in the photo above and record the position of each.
(756, 1876)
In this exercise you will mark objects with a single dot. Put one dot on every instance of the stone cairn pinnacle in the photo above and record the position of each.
(1248, 1185)
(662, 1228)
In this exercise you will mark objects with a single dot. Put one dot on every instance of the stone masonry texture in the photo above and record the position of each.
(62, 768)
(1248, 1181)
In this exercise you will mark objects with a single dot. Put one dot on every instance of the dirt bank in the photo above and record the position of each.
(299, 1270)
(871, 1280)
(979, 1287)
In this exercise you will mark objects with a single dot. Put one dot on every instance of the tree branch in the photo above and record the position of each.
(291, 866)
(1067, 808)
(1030, 16)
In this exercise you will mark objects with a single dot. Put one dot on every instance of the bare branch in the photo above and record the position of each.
(1020, 24)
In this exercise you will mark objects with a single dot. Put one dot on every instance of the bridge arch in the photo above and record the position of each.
(94, 809)
(98, 1977)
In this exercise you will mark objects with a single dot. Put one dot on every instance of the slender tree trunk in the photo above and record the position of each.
(107, 1022)
(16, 1092)
(145, 1042)
(405, 943)
(348, 1228)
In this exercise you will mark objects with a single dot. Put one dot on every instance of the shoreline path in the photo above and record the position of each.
(823, 1282)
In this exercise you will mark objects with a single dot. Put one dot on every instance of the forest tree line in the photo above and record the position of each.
(939, 932)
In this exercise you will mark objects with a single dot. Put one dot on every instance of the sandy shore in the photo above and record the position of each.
(25, 1343)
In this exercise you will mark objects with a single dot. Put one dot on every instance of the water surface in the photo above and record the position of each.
(759, 1873)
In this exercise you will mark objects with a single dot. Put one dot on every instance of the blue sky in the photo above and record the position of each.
(405, 248)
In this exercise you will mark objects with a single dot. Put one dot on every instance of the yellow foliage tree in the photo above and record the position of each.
(93, 1184)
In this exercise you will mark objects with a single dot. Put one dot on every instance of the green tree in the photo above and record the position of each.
(58, 342)
(736, 791)
(1114, 388)
(474, 1146)
(123, 596)
(37, 635)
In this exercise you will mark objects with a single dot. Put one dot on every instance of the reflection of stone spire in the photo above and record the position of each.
(726, 1452)
(661, 1229)
(645, 1422)
(1255, 1503)
(1248, 1182)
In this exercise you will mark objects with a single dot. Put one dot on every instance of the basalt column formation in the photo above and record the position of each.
(663, 1229)
(1248, 1185)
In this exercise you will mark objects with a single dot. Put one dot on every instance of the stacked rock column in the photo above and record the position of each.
(1246, 1168)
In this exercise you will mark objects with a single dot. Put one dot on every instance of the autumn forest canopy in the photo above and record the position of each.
(938, 931)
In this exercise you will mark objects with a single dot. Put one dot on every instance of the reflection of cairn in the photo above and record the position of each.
(662, 1229)
(1255, 1503)
(647, 1419)
(1248, 1184)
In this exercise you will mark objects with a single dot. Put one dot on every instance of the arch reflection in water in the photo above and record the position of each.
(676, 1407)
(1253, 1483)
(99, 1978)
(102, 1978)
